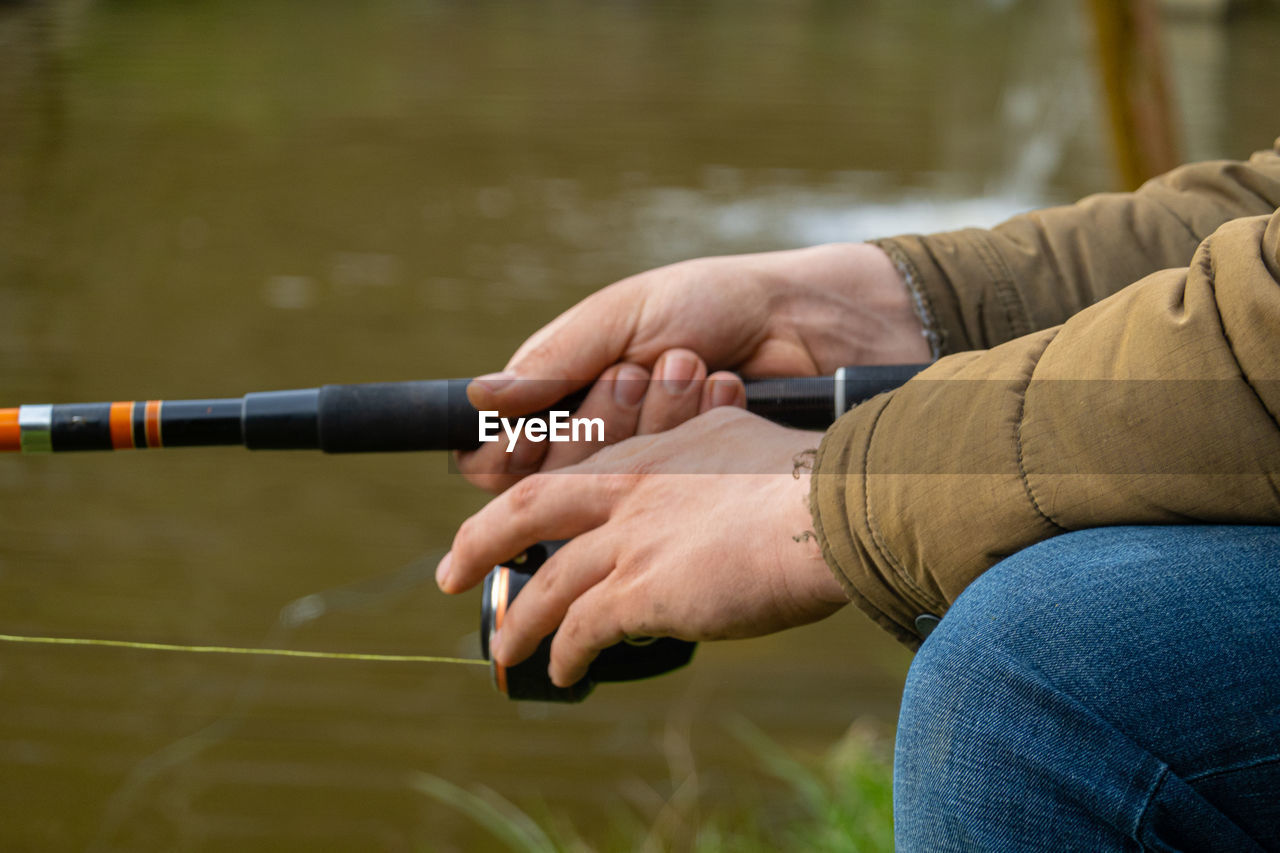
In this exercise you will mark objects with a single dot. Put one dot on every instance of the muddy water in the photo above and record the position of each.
(204, 199)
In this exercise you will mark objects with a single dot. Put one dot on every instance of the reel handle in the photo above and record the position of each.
(528, 680)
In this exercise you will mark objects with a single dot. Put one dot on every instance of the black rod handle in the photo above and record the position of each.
(814, 402)
(395, 416)
(374, 417)
(436, 415)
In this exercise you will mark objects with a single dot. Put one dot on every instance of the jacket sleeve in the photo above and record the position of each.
(975, 288)
(1157, 405)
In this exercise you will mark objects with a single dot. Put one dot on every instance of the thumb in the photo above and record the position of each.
(568, 353)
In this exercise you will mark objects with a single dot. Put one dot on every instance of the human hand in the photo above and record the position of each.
(700, 532)
(801, 312)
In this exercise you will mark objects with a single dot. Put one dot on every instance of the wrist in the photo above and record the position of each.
(897, 334)
(851, 302)
(809, 579)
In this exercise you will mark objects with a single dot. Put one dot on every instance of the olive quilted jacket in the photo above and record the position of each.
(1116, 361)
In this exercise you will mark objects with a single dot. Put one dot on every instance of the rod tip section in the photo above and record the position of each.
(10, 432)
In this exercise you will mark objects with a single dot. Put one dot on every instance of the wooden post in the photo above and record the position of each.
(1135, 78)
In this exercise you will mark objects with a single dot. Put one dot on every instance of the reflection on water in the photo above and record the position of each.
(204, 199)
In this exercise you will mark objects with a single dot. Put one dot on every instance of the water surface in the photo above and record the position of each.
(208, 198)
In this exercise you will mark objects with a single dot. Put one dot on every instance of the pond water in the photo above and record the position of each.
(209, 198)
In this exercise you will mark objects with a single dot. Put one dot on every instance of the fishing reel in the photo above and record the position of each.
(630, 660)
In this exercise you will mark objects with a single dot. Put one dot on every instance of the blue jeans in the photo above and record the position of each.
(1109, 689)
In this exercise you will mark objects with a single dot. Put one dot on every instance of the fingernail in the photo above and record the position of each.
(495, 382)
(442, 570)
(724, 392)
(677, 372)
(629, 385)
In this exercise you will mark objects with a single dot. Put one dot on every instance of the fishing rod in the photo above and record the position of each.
(375, 417)
(424, 415)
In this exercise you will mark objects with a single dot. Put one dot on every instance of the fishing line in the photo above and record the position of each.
(135, 789)
(236, 650)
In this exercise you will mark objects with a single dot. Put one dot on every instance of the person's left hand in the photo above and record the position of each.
(701, 532)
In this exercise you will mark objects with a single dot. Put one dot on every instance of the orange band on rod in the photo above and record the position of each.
(500, 671)
(153, 423)
(122, 426)
(10, 433)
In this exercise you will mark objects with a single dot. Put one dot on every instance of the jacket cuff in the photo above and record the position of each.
(839, 478)
(934, 267)
(921, 299)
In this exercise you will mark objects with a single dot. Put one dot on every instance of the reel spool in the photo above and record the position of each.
(528, 680)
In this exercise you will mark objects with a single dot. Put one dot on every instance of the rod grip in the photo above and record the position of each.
(814, 402)
(855, 384)
(801, 403)
(384, 417)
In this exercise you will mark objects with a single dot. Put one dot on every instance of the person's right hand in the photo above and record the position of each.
(802, 312)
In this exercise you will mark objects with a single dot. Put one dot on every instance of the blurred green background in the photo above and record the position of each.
(211, 197)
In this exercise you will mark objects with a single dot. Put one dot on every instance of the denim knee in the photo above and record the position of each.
(1038, 712)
